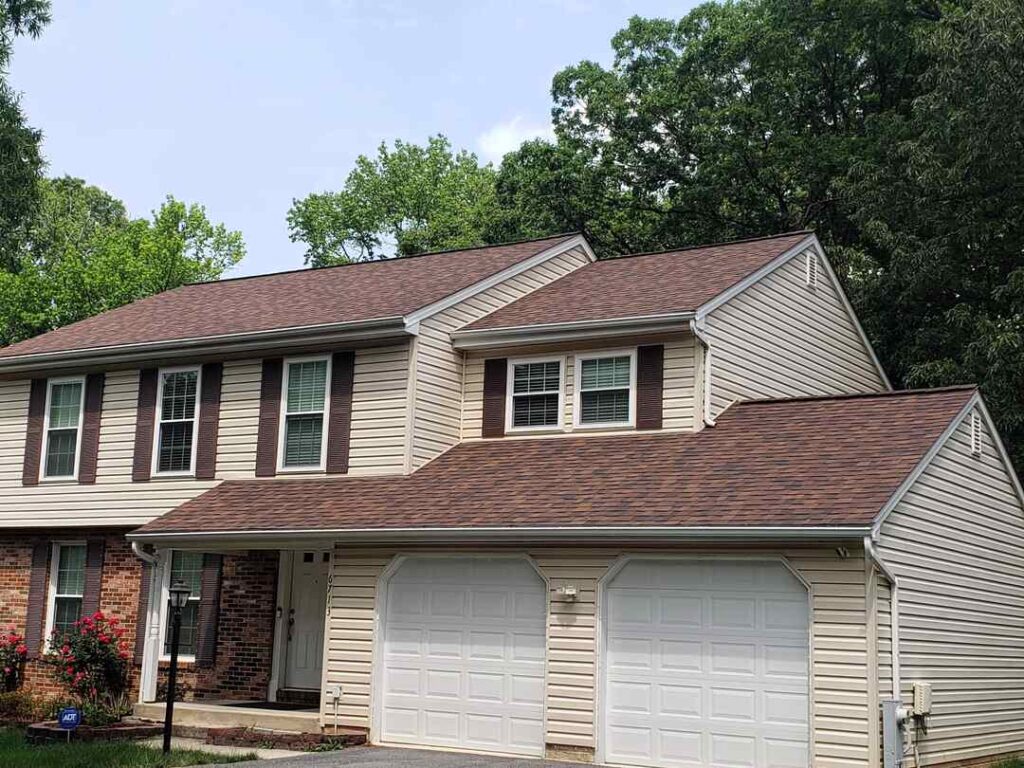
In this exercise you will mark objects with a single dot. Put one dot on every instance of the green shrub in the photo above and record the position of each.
(24, 707)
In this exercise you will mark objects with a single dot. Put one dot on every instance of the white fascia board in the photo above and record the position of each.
(922, 465)
(674, 533)
(191, 346)
(413, 319)
(571, 331)
(811, 241)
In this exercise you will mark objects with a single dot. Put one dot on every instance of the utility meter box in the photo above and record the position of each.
(922, 699)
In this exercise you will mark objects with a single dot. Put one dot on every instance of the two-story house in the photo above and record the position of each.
(661, 510)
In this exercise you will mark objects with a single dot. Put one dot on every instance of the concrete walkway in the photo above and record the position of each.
(177, 742)
(391, 757)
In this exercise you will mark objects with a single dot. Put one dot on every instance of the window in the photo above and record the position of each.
(186, 567)
(177, 412)
(63, 428)
(535, 391)
(67, 585)
(305, 406)
(605, 390)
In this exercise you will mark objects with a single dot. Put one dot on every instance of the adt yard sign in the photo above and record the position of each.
(69, 718)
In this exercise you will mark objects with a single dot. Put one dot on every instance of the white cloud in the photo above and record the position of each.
(506, 136)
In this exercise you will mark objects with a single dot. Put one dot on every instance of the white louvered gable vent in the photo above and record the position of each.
(813, 269)
(976, 442)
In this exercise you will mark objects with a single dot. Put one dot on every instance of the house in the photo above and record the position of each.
(662, 510)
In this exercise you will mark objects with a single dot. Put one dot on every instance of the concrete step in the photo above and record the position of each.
(212, 715)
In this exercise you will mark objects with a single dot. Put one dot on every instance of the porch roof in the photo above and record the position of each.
(798, 464)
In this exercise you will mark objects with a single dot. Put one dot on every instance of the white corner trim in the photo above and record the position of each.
(894, 611)
(811, 241)
(413, 319)
(922, 465)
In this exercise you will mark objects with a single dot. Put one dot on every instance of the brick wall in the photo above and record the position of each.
(246, 628)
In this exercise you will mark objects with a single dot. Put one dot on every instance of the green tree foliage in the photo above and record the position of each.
(83, 255)
(407, 200)
(20, 160)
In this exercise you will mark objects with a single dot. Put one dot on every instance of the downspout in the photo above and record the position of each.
(142, 554)
(150, 624)
(705, 343)
(894, 614)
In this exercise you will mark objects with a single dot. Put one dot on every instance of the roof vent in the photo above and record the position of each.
(812, 269)
(975, 433)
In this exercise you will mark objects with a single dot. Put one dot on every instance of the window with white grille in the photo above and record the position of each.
(305, 413)
(63, 428)
(605, 389)
(177, 413)
(534, 394)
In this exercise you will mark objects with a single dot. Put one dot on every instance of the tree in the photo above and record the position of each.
(407, 200)
(21, 163)
(84, 255)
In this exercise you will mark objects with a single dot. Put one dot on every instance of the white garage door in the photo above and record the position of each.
(464, 643)
(706, 665)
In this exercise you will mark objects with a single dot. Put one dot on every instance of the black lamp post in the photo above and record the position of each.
(179, 594)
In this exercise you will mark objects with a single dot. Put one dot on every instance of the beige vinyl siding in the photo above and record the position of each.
(779, 338)
(379, 407)
(883, 613)
(239, 420)
(438, 366)
(956, 544)
(679, 393)
(840, 716)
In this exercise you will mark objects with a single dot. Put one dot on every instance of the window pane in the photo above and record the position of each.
(604, 372)
(175, 447)
(307, 384)
(186, 567)
(60, 453)
(303, 440)
(71, 570)
(65, 404)
(189, 629)
(535, 410)
(66, 611)
(606, 406)
(179, 395)
(536, 377)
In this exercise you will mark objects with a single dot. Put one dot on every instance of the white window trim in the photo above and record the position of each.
(51, 590)
(43, 477)
(283, 417)
(577, 411)
(155, 469)
(165, 598)
(509, 394)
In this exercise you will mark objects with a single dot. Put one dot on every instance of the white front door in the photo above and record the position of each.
(307, 610)
(706, 664)
(464, 644)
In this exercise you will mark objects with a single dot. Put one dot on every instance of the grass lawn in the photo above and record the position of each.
(15, 753)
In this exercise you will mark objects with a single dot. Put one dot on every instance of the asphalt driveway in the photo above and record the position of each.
(379, 757)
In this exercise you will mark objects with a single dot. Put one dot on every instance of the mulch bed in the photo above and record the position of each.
(127, 730)
(299, 742)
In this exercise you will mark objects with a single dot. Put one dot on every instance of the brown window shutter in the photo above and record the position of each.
(145, 416)
(94, 383)
(209, 421)
(650, 376)
(209, 608)
(343, 366)
(142, 613)
(270, 415)
(34, 432)
(36, 600)
(495, 391)
(93, 576)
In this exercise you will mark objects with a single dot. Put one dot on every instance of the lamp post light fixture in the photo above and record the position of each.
(179, 594)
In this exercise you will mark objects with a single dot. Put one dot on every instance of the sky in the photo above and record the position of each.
(244, 106)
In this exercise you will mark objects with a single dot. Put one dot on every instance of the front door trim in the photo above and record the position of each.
(279, 660)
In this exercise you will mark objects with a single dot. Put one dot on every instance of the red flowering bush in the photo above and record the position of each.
(12, 658)
(91, 661)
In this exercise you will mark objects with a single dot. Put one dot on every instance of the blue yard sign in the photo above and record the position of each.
(69, 718)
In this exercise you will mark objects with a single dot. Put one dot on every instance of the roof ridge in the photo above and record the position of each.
(859, 395)
(702, 246)
(395, 259)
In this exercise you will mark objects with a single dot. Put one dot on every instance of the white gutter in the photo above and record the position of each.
(143, 554)
(189, 347)
(568, 331)
(894, 611)
(617, 532)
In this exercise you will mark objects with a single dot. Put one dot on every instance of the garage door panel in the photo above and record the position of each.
(464, 655)
(707, 672)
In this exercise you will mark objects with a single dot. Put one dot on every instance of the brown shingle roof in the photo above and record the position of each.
(646, 284)
(801, 462)
(349, 293)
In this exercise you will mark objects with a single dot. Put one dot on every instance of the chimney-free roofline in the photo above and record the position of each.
(570, 331)
(170, 349)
